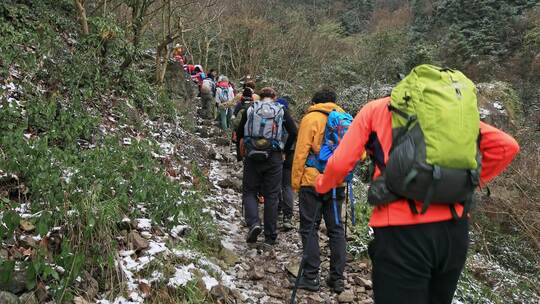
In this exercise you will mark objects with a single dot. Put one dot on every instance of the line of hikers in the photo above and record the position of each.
(430, 152)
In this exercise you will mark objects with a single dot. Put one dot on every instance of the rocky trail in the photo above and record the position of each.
(263, 274)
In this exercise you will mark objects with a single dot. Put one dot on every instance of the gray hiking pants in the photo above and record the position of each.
(309, 199)
(264, 177)
(208, 108)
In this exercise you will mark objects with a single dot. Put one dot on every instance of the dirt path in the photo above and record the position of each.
(262, 274)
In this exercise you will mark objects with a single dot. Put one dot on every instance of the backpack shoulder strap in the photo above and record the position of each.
(323, 112)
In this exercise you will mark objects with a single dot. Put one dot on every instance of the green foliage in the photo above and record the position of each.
(356, 18)
(361, 233)
(477, 28)
(55, 138)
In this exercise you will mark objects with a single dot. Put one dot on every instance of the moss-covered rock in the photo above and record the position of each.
(499, 104)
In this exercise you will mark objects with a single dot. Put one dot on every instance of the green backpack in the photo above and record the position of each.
(434, 156)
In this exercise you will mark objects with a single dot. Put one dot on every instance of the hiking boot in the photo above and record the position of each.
(270, 242)
(287, 224)
(309, 284)
(253, 234)
(336, 285)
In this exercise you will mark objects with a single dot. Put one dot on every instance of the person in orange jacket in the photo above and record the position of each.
(417, 258)
(309, 140)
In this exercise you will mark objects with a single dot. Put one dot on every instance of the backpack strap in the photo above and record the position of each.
(323, 112)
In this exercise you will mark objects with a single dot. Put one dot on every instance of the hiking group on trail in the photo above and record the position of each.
(430, 153)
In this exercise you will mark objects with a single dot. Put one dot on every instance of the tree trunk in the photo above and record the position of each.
(161, 65)
(82, 16)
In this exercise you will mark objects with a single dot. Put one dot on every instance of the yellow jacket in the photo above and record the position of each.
(310, 137)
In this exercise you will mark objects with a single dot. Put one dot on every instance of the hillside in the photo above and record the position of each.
(113, 188)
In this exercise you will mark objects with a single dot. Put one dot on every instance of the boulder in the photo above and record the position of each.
(346, 297)
(228, 256)
(16, 285)
(498, 104)
(8, 298)
(28, 298)
(138, 241)
(256, 273)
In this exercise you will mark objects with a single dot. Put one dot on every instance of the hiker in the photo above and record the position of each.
(198, 75)
(245, 101)
(310, 137)
(419, 248)
(208, 93)
(212, 75)
(178, 54)
(247, 85)
(285, 205)
(224, 101)
(260, 132)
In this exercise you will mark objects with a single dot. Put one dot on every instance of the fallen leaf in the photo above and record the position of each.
(27, 226)
(145, 289)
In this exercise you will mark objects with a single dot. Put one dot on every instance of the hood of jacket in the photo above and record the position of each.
(325, 107)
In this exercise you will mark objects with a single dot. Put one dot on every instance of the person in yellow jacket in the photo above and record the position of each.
(310, 137)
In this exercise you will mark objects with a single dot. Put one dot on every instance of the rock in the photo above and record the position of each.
(4, 254)
(364, 282)
(28, 241)
(256, 273)
(16, 285)
(91, 286)
(346, 297)
(79, 300)
(238, 296)
(366, 301)
(361, 289)
(28, 298)
(272, 269)
(241, 274)
(221, 294)
(26, 225)
(221, 141)
(137, 240)
(275, 292)
(231, 183)
(8, 298)
(147, 235)
(228, 256)
(292, 268)
(315, 298)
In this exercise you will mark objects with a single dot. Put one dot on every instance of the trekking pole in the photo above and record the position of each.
(335, 206)
(346, 213)
(351, 198)
(304, 254)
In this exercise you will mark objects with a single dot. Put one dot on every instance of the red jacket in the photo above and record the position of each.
(375, 120)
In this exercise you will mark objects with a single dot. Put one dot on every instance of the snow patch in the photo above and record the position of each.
(181, 276)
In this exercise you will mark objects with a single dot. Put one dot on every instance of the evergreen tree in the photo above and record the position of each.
(355, 20)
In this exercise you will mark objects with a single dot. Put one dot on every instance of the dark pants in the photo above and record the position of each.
(286, 197)
(309, 199)
(262, 177)
(208, 102)
(418, 263)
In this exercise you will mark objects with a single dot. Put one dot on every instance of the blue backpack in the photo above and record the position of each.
(336, 126)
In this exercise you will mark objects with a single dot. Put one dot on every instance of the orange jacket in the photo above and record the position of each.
(310, 137)
(375, 120)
